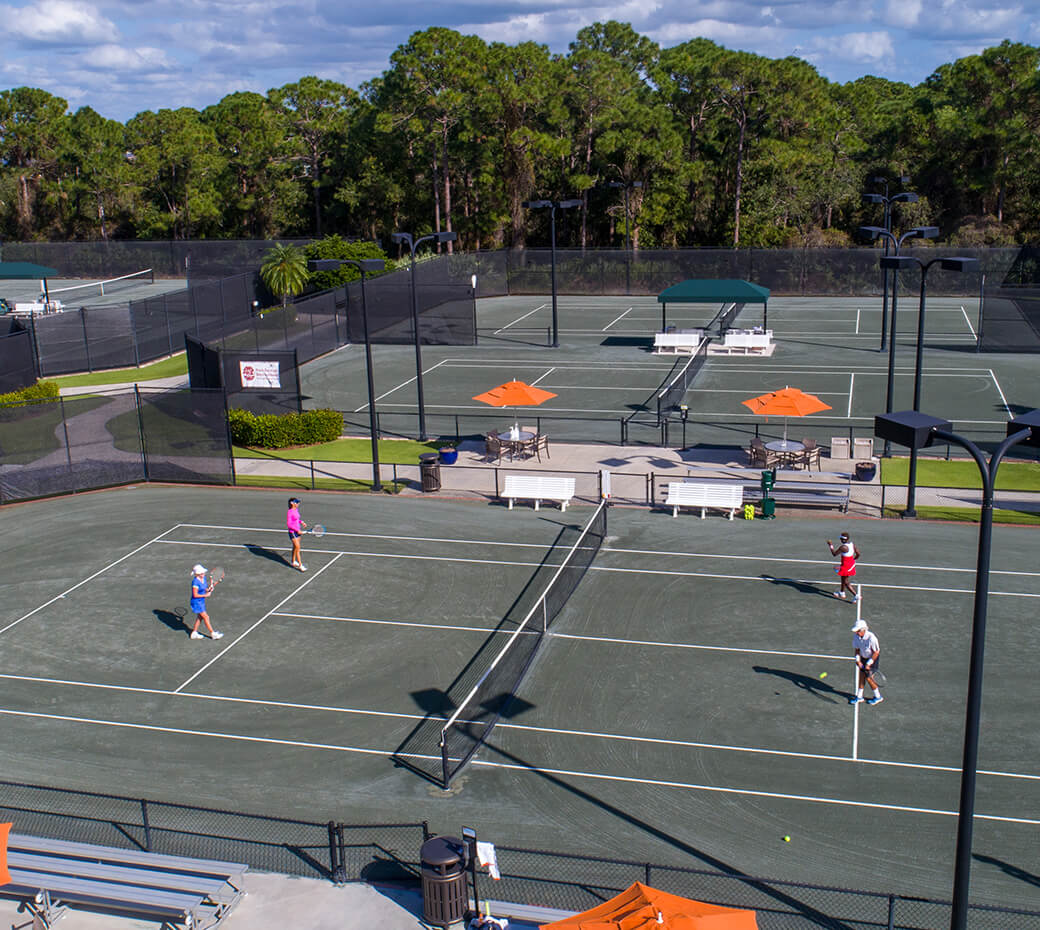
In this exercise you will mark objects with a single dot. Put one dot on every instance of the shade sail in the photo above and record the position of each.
(710, 291)
(26, 270)
(641, 907)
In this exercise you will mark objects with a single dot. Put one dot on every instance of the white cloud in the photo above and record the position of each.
(903, 13)
(120, 59)
(59, 22)
(867, 47)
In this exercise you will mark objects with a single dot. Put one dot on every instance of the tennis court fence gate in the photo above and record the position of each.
(389, 852)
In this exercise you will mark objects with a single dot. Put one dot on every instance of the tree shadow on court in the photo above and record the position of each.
(420, 751)
(782, 896)
(803, 587)
(174, 619)
(813, 686)
(1007, 868)
(264, 553)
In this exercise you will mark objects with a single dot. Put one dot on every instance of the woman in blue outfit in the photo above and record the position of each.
(200, 590)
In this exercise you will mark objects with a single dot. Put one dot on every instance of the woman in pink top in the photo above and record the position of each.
(296, 526)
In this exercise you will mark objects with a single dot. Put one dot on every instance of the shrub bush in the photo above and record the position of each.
(279, 431)
(41, 390)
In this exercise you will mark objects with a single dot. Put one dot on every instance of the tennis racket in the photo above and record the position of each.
(316, 530)
(216, 577)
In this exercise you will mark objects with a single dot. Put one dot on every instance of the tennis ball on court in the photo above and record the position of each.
(787, 839)
(823, 674)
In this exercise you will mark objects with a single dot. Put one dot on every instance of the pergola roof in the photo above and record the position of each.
(714, 291)
(26, 270)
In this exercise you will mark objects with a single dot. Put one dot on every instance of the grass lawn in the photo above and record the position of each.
(970, 515)
(391, 451)
(938, 473)
(321, 484)
(167, 368)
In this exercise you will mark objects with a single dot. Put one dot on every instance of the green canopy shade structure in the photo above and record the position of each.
(713, 291)
(27, 270)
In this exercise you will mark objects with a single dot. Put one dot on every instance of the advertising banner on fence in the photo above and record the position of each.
(259, 374)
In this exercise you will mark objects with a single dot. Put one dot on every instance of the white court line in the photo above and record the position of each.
(857, 321)
(557, 731)
(546, 375)
(242, 636)
(612, 322)
(852, 381)
(1003, 399)
(974, 334)
(660, 783)
(855, 683)
(100, 571)
(764, 650)
(518, 319)
(401, 385)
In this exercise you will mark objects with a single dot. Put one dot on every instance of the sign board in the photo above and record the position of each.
(264, 375)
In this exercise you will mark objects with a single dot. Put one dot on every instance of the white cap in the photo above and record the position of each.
(199, 570)
(860, 625)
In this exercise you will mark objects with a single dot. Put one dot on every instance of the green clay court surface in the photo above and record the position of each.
(678, 713)
(604, 370)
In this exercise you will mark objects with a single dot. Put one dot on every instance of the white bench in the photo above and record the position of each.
(48, 874)
(719, 496)
(538, 488)
(746, 340)
(678, 342)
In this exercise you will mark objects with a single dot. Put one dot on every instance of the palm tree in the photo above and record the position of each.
(284, 271)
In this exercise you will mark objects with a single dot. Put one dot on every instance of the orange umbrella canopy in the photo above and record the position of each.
(641, 907)
(514, 394)
(790, 402)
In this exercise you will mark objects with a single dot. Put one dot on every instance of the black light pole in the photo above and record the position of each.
(363, 265)
(626, 187)
(908, 261)
(917, 429)
(413, 244)
(872, 233)
(552, 205)
(904, 197)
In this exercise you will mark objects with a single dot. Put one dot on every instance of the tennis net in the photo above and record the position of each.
(103, 288)
(672, 394)
(468, 728)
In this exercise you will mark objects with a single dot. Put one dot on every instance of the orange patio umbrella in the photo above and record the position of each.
(515, 394)
(5, 830)
(641, 907)
(790, 402)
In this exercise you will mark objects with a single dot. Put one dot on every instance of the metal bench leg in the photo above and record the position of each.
(702, 512)
(536, 503)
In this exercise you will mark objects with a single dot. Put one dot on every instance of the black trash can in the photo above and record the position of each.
(430, 471)
(444, 891)
(865, 471)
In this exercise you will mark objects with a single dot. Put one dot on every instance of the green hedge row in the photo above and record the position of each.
(279, 431)
(41, 390)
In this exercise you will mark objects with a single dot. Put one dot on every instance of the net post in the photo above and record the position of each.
(445, 765)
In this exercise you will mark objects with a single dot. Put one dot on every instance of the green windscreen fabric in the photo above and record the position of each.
(714, 291)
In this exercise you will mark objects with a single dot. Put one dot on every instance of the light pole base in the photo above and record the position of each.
(908, 515)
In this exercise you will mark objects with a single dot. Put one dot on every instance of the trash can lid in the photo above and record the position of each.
(441, 850)
(429, 457)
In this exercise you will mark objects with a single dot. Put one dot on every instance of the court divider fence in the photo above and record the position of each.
(389, 852)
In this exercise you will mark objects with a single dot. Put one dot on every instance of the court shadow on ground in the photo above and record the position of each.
(803, 587)
(174, 619)
(420, 751)
(1030, 878)
(813, 686)
(634, 342)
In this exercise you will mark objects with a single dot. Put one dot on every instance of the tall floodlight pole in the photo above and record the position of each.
(902, 262)
(553, 206)
(872, 233)
(363, 265)
(413, 244)
(626, 187)
(904, 197)
(914, 429)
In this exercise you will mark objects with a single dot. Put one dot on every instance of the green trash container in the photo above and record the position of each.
(768, 508)
(768, 480)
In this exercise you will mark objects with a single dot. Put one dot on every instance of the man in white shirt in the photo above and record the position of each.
(867, 652)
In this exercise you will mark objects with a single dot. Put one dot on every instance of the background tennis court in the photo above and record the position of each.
(676, 714)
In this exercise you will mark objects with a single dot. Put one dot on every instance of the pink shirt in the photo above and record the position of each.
(292, 519)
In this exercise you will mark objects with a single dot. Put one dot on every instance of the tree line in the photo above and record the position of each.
(693, 145)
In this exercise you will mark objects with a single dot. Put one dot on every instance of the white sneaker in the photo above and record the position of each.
(195, 634)
(302, 567)
(855, 600)
(217, 635)
(840, 594)
(876, 699)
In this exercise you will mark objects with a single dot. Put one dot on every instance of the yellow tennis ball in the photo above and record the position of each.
(787, 839)
(823, 674)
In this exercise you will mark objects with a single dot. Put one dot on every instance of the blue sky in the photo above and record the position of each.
(124, 56)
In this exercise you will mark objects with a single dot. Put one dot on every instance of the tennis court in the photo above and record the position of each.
(74, 293)
(677, 712)
(605, 370)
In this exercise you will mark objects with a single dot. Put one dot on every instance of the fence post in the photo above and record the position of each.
(312, 474)
(140, 432)
(65, 429)
(891, 912)
(147, 827)
(337, 871)
(86, 339)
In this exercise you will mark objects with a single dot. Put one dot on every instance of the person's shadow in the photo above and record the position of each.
(814, 686)
(803, 587)
(264, 553)
(174, 619)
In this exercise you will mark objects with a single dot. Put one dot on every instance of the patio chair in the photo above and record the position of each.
(758, 454)
(492, 448)
(541, 444)
(810, 454)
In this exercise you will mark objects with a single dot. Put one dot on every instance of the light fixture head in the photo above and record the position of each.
(925, 232)
(959, 263)
(870, 233)
(909, 428)
(401, 237)
(899, 262)
(1029, 420)
(637, 184)
(873, 198)
(567, 204)
(615, 183)
(905, 197)
(445, 236)
(536, 204)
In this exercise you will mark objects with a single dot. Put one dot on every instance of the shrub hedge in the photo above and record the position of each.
(279, 431)
(41, 390)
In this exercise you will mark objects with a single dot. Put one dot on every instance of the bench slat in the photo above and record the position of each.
(719, 496)
(538, 488)
(69, 888)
